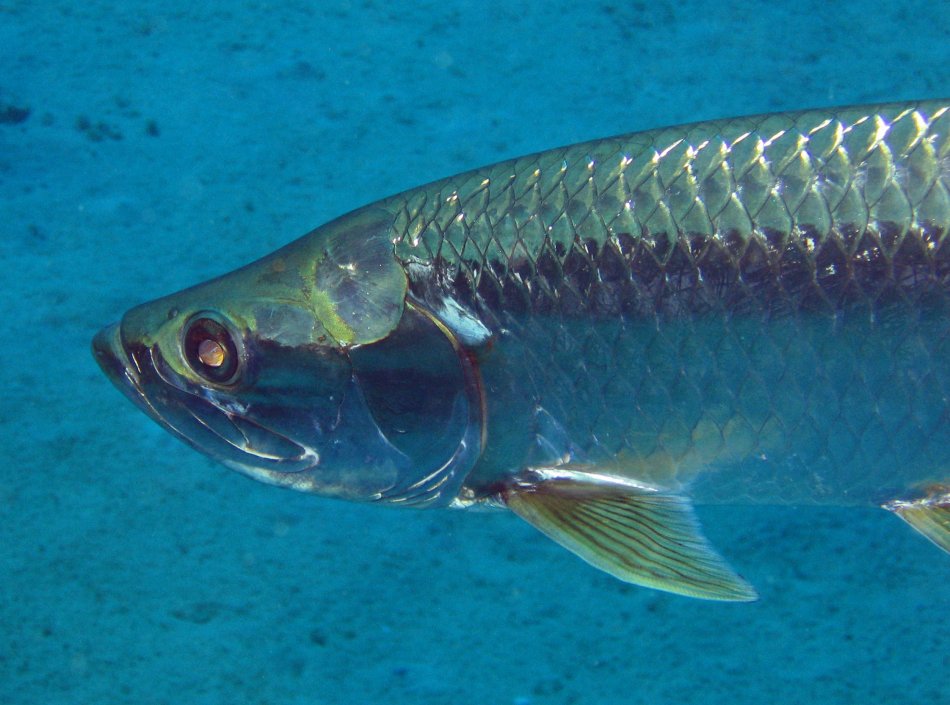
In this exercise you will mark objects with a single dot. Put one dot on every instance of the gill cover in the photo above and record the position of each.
(308, 369)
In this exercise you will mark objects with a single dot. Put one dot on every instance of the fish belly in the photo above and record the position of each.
(796, 410)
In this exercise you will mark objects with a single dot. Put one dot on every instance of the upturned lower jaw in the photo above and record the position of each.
(117, 364)
(115, 361)
(106, 348)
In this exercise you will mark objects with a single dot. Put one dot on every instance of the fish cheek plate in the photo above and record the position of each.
(422, 389)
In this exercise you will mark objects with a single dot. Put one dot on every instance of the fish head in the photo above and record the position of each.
(309, 369)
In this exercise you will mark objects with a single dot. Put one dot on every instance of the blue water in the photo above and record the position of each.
(168, 142)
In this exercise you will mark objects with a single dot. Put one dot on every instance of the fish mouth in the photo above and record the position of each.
(121, 370)
(243, 445)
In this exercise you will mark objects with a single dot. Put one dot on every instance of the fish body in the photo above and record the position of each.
(753, 310)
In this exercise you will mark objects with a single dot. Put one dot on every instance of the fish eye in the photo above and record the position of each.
(211, 350)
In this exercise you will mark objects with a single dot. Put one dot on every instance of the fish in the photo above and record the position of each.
(597, 338)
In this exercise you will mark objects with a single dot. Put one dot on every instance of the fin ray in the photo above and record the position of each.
(638, 535)
(929, 516)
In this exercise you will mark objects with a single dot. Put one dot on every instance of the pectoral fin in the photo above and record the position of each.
(930, 515)
(636, 534)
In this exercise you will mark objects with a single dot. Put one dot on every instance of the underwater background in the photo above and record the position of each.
(145, 147)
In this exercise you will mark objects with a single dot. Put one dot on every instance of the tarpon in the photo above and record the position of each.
(597, 337)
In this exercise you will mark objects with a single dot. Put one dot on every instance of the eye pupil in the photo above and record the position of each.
(211, 351)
